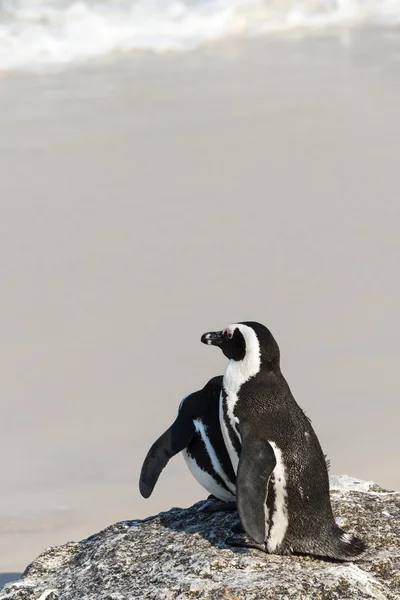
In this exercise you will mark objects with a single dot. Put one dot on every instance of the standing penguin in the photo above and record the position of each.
(197, 434)
(282, 486)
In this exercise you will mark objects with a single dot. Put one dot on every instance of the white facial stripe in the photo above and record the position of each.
(201, 428)
(240, 371)
(279, 519)
(236, 374)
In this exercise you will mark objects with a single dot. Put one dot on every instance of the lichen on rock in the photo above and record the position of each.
(182, 554)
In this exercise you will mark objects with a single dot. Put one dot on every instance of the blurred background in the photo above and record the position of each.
(168, 168)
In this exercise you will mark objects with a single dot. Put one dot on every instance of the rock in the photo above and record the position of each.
(181, 554)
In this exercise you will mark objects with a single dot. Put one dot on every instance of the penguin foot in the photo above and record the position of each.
(219, 506)
(244, 541)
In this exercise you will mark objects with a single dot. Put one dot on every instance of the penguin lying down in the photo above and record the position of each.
(246, 440)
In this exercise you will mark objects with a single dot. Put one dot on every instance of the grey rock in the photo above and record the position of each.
(181, 554)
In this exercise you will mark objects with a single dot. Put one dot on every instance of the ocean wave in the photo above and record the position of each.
(35, 34)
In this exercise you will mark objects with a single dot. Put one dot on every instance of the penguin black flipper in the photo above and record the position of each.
(174, 440)
(256, 464)
(197, 419)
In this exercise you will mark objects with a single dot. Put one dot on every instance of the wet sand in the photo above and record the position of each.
(147, 200)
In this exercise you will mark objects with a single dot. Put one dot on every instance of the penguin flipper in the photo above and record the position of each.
(256, 463)
(174, 440)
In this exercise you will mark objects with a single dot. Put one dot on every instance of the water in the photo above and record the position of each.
(42, 34)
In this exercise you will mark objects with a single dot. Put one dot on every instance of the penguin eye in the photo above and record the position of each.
(228, 333)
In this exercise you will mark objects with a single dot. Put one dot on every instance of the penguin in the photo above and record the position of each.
(282, 485)
(196, 433)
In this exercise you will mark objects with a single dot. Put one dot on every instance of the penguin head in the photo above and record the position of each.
(231, 341)
(240, 340)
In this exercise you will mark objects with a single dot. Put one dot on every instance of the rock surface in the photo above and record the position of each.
(181, 554)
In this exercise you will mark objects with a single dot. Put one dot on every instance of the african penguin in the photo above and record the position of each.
(282, 487)
(197, 434)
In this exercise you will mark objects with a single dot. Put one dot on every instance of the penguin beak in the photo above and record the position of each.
(212, 338)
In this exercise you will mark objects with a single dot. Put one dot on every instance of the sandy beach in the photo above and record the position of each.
(147, 199)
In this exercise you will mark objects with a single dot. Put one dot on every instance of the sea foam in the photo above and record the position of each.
(35, 34)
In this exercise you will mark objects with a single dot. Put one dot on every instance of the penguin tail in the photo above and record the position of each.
(345, 546)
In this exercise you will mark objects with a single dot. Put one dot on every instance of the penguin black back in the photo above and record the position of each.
(282, 478)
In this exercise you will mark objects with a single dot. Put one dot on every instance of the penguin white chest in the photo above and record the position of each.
(235, 390)
(237, 373)
(206, 480)
(202, 475)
